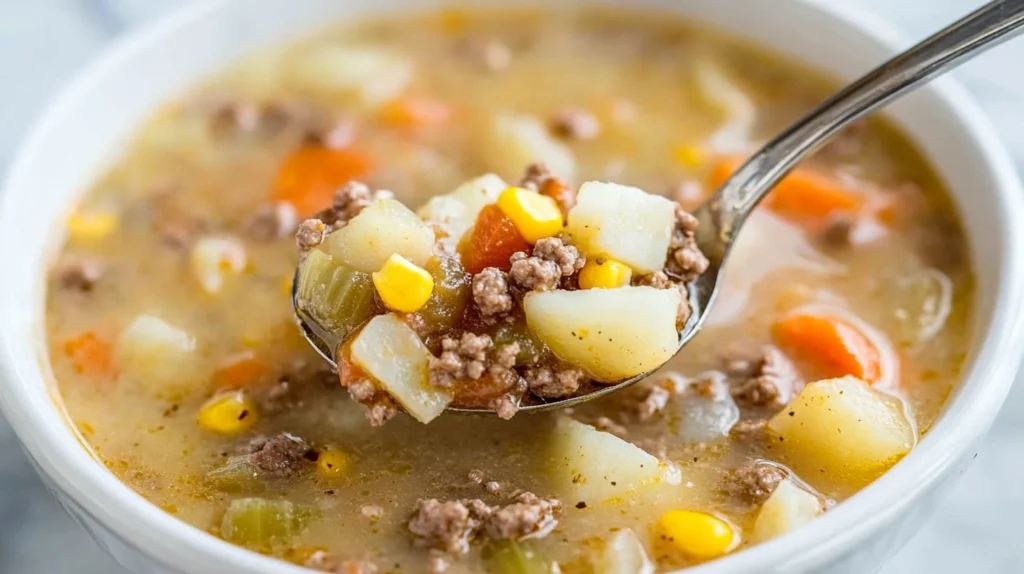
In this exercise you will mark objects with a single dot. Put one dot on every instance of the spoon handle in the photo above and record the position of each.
(985, 28)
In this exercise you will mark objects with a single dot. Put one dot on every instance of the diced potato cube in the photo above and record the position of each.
(612, 334)
(517, 140)
(390, 351)
(598, 467)
(212, 259)
(457, 211)
(385, 227)
(624, 223)
(787, 509)
(623, 553)
(842, 430)
(370, 75)
(157, 355)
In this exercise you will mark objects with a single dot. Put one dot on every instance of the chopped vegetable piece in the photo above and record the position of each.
(260, 523)
(455, 212)
(335, 296)
(390, 351)
(152, 352)
(509, 557)
(696, 534)
(803, 194)
(835, 345)
(92, 224)
(623, 554)
(535, 216)
(369, 75)
(563, 194)
(228, 413)
(604, 273)
(239, 371)
(332, 463)
(384, 228)
(691, 156)
(531, 350)
(612, 334)
(787, 509)
(492, 242)
(520, 139)
(624, 223)
(842, 432)
(213, 258)
(415, 112)
(90, 355)
(237, 473)
(309, 176)
(452, 292)
(403, 286)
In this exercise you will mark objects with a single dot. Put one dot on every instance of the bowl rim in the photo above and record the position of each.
(169, 540)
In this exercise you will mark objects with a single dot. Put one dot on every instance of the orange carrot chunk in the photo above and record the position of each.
(834, 345)
(415, 112)
(492, 242)
(239, 371)
(803, 194)
(90, 355)
(309, 176)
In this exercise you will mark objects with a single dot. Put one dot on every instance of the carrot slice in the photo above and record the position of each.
(415, 112)
(90, 355)
(309, 176)
(803, 194)
(563, 194)
(492, 242)
(241, 370)
(836, 346)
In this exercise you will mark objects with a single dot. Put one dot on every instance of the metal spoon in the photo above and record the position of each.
(722, 216)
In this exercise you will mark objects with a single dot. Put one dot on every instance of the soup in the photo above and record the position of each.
(839, 333)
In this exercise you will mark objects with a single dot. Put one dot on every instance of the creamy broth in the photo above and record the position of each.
(671, 102)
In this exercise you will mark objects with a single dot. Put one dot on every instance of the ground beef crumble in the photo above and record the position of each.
(278, 219)
(754, 483)
(769, 382)
(278, 456)
(450, 526)
(490, 292)
(551, 260)
(80, 275)
(685, 259)
(380, 406)
(575, 124)
(552, 383)
(310, 234)
(471, 357)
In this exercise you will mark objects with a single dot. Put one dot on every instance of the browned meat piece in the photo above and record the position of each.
(381, 410)
(685, 259)
(530, 515)
(575, 124)
(537, 175)
(753, 484)
(278, 219)
(471, 357)
(608, 425)
(552, 383)
(838, 231)
(540, 179)
(448, 526)
(279, 456)
(551, 261)
(362, 390)
(490, 292)
(771, 383)
(80, 275)
(505, 406)
(654, 402)
(310, 234)
(658, 280)
(349, 200)
(749, 428)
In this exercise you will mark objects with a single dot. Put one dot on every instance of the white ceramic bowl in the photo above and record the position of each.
(84, 129)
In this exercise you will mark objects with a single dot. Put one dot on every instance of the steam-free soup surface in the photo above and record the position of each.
(844, 312)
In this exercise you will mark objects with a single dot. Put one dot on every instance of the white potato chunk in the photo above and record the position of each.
(383, 228)
(457, 211)
(371, 76)
(612, 334)
(623, 553)
(843, 431)
(624, 223)
(213, 259)
(517, 140)
(157, 355)
(787, 509)
(390, 351)
(598, 467)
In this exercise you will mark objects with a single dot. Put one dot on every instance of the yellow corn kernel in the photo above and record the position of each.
(691, 156)
(402, 285)
(92, 225)
(536, 216)
(604, 273)
(696, 534)
(228, 413)
(331, 463)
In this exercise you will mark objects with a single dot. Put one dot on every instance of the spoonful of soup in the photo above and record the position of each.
(505, 298)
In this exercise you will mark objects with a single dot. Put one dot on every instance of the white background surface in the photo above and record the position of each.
(42, 42)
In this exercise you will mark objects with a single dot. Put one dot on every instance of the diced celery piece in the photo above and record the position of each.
(261, 523)
(452, 291)
(511, 558)
(335, 296)
(237, 473)
(531, 350)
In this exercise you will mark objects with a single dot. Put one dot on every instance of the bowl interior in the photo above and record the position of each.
(92, 121)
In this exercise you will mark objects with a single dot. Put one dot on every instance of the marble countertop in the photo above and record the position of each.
(43, 42)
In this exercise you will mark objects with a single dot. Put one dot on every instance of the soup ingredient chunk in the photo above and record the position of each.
(842, 431)
(512, 558)
(623, 553)
(521, 139)
(696, 534)
(457, 211)
(384, 228)
(836, 345)
(152, 352)
(451, 526)
(788, 508)
(228, 413)
(262, 523)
